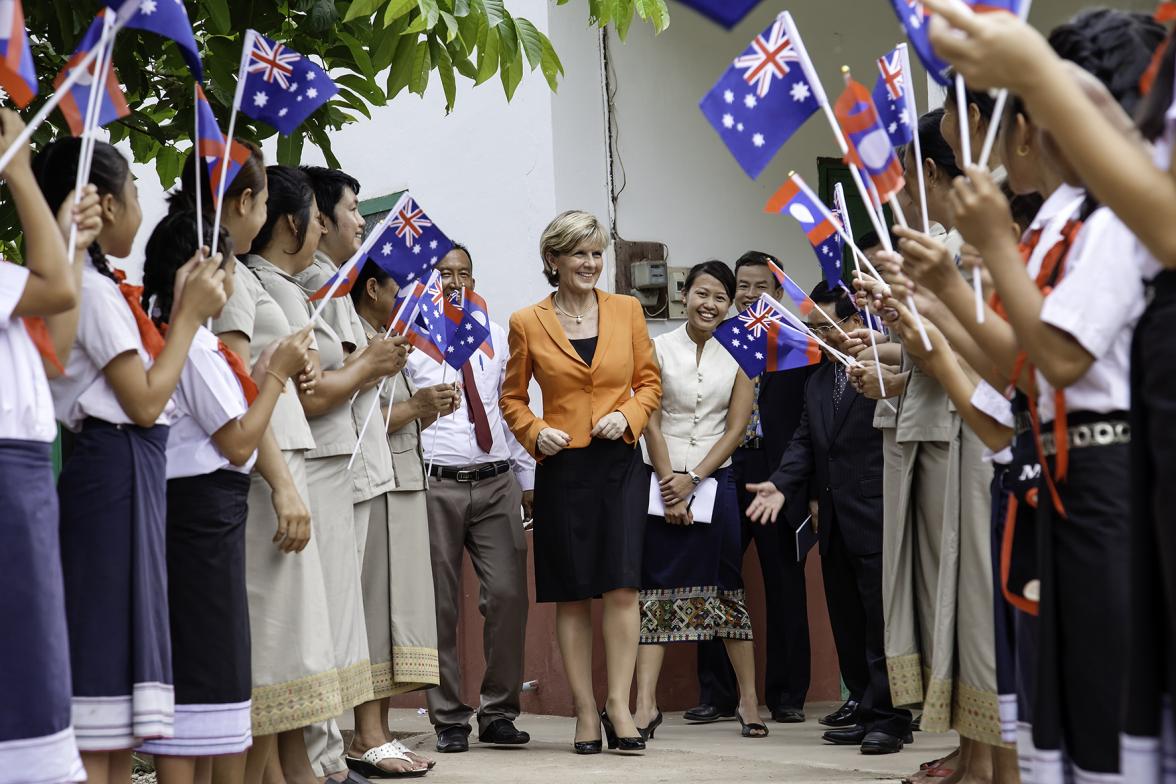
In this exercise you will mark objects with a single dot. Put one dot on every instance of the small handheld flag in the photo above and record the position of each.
(18, 77)
(728, 13)
(211, 144)
(466, 334)
(799, 296)
(818, 226)
(342, 280)
(991, 6)
(409, 243)
(476, 306)
(427, 332)
(762, 98)
(890, 99)
(112, 104)
(869, 144)
(278, 85)
(760, 341)
(167, 18)
(914, 18)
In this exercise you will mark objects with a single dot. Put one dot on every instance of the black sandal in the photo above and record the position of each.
(751, 730)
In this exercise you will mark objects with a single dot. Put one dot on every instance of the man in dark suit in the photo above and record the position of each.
(837, 449)
(777, 413)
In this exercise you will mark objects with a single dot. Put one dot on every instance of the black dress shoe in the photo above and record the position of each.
(788, 716)
(453, 739)
(503, 733)
(878, 742)
(705, 714)
(845, 716)
(846, 736)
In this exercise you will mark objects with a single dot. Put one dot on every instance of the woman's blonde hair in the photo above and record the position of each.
(567, 232)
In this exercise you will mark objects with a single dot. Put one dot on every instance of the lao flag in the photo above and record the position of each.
(278, 85)
(404, 313)
(112, 104)
(890, 99)
(348, 274)
(167, 18)
(818, 226)
(211, 143)
(989, 6)
(795, 293)
(728, 13)
(409, 243)
(476, 307)
(869, 144)
(914, 18)
(466, 334)
(18, 77)
(760, 341)
(762, 99)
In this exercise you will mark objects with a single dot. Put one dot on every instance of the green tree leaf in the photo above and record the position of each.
(397, 9)
(530, 38)
(512, 74)
(422, 64)
(217, 13)
(487, 57)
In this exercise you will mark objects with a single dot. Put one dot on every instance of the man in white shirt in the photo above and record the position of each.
(474, 505)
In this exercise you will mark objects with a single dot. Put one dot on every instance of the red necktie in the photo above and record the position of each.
(476, 409)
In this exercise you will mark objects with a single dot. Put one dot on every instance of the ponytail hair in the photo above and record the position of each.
(251, 176)
(55, 168)
(172, 244)
(290, 194)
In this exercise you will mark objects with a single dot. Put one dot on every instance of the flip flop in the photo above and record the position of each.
(369, 764)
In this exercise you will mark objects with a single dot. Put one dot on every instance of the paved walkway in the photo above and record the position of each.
(680, 754)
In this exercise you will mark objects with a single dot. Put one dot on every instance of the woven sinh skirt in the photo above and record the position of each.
(209, 615)
(36, 737)
(1077, 707)
(295, 683)
(590, 508)
(113, 494)
(1149, 732)
(691, 582)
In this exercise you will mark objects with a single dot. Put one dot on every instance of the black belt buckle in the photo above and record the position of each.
(468, 475)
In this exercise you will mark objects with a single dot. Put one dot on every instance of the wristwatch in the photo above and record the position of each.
(695, 478)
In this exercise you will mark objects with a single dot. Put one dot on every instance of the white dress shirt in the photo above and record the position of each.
(26, 408)
(450, 440)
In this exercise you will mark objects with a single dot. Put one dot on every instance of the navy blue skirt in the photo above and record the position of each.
(36, 738)
(113, 491)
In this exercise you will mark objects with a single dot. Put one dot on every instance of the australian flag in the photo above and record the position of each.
(762, 99)
(409, 243)
(728, 13)
(914, 18)
(278, 85)
(869, 144)
(18, 77)
(211, 145)
(428, 330)
(760, 341)
(890, 99)
(466, 332)
(167, 18)
(817, 223)
(112, 104)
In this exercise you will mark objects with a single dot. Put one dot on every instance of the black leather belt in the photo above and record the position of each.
(475, 473)
(752, 443)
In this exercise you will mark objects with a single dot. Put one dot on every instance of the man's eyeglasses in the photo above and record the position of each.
(825, 329)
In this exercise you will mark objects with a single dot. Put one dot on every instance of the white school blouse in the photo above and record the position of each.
(696, 395)
(1098, 303)
(106, 329)
(26, 407)
(207, 398)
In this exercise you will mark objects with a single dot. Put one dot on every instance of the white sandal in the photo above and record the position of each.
(369, 764)
(421, 759)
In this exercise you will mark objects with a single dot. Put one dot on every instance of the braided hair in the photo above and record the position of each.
(55, 168)
(172, 244)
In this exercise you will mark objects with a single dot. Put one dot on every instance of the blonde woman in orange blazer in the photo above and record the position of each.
(591, 355)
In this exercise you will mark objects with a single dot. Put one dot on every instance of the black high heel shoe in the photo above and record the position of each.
(647, 732)
(620, 744)
(587, 746)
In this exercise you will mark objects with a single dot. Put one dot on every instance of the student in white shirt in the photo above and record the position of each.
(36, 736)
(221, 415)
(475, 496)
(113, 396)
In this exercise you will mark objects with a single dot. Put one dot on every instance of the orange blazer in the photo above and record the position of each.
(623, 377)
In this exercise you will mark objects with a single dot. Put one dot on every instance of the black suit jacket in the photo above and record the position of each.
(781, 401)
(842, 456)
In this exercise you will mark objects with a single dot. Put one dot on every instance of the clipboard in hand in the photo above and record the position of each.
(702, 500)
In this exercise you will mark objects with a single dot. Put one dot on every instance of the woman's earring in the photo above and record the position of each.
(1023, 150)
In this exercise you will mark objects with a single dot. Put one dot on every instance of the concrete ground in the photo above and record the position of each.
(680, 753)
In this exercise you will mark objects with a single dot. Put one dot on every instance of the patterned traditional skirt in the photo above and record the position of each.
(36, 738)
(691, 584)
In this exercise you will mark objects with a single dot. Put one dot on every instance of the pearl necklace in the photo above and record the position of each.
(578, 317)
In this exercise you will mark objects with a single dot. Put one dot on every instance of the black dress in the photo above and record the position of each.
(590, 506)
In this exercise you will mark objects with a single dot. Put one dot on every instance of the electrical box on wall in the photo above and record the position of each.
(642, 273)
(677, 307)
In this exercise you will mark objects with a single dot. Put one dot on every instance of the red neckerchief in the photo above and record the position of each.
(38, 332)
(248, 385)
(152, 340)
